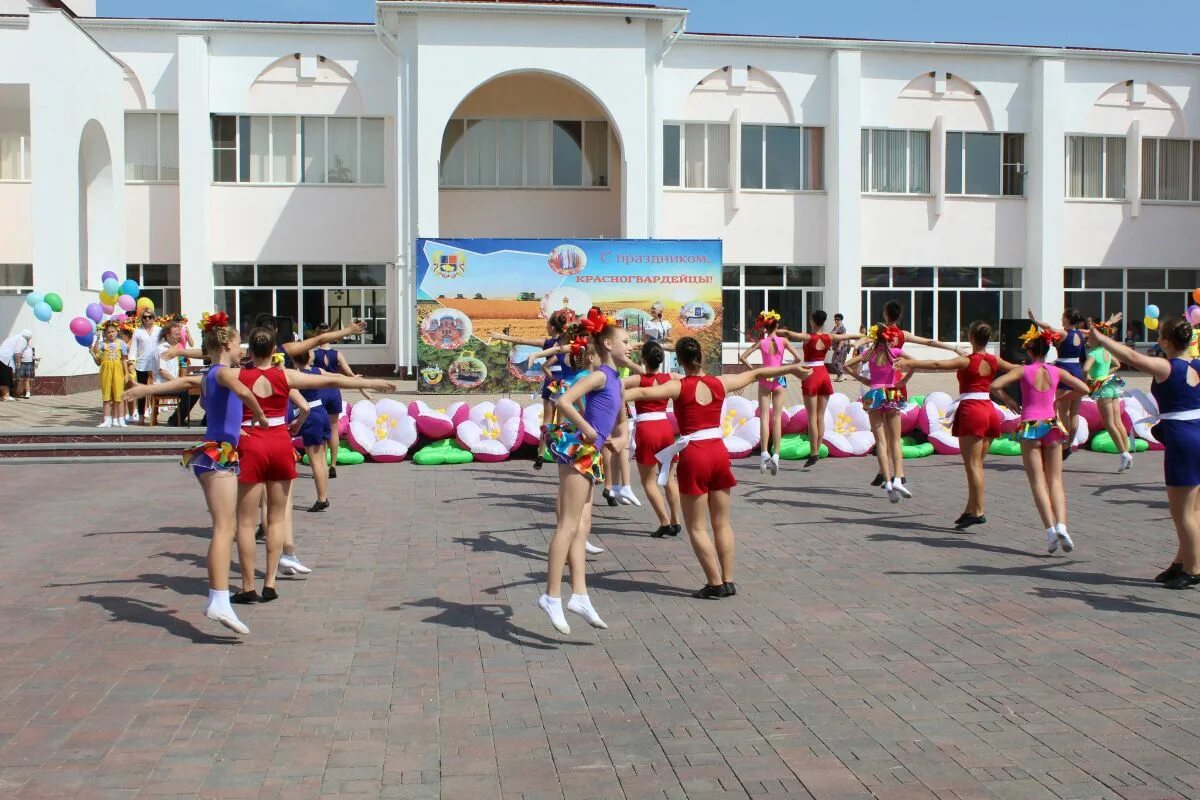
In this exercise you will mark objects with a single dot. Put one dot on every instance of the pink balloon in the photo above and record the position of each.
(126, 302)
(106, 308)
(1194, 315)
(81, 326)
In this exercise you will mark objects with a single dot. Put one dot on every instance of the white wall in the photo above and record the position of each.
(16, 223)
(972, 232)
(766, 228)
(152, 223)
(1105, 234)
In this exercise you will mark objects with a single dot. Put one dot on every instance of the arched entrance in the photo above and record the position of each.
(530, 154)
(98, 228)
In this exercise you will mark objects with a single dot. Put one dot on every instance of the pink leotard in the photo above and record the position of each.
(883, 376)
(773, 350)
(1037, 405)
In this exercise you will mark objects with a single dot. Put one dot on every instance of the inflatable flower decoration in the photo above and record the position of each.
(739, 426)
(935, 426)
(795, 419)
(847, 428)
(531, 424)
(1138, 412)
(492, 431)
(437, 423)
(382, 431)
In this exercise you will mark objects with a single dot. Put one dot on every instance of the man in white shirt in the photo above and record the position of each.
(167, 368)
(10, 357)
(143, 352)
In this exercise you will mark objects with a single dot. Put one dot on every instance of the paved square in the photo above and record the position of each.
(870, 653)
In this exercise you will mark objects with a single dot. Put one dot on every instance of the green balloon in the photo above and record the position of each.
(795, 447)
(54, 301)
(447, 451)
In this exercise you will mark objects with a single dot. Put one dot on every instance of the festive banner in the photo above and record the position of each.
(468, 290)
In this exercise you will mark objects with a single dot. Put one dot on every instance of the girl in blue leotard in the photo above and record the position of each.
(1176, 391)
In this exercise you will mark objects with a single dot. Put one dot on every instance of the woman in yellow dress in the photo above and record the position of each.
(112, 355)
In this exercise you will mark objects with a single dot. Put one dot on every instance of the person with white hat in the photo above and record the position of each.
(10, 356)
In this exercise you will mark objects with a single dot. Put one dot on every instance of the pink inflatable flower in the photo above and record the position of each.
(795, 419)
(382, 431)
(1138, 412)
(531, 424)
(437, 423)
(739, 424)
(932, 423)
(910, 415)
(1009, 420)
(847, 428)
(492, 430)
(1090, 411)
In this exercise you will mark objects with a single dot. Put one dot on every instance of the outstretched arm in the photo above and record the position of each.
(293, 349)
(1158, 368)
(735, 383)
(660, 391)
(793, 336)
(304, 380)
(1046, 326)
(173, 386)
(909, 336)
(178, 350)
(946, 365)
(504, 337)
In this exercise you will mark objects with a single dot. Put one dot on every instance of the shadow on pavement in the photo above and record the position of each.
(494, 619)
(142, 612)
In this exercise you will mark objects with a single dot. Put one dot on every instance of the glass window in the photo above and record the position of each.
(15, 277)
(224, 133)
(343, 150)
(453, 166)
(912, 276)
(323, 275)
(366, 275)
(537, 153)
(731, 275)
(972, 306)
(14, 144)
(693, 155)
(1001, 278)
(481, 152)
(595, 144)
(1174, 169)
(1185, 279)
(958, 277)
(141, 147)
(754, 301)
(790, 306)
(671, 155)
(283, 149)
(731, 320)
(983, 163)
(568, 153)
(752, 156)
(764, 276)
(717, 156)
(1114, 167)
(954, 163)
(373, 169)
(814, 159)
(1145, 278)
(876, 276)
(805, 276)
(784, 157)
(277, 275)
(1073, 278)
(1149, 169)
(896, 160)
(312, 149)
(1014, 164)
(233, 274)
(1105, 278)
(512, 152)
(254, 151)
(918, 165)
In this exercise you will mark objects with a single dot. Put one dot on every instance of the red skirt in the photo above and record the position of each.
(704, 467)
(651, 437)
(818, 382)
(976, 418)
(266, 455)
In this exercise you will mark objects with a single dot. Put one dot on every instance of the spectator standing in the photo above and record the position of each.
(144, 355)
(10, 355)
(168, 353)
(26, 365)
(841, 349)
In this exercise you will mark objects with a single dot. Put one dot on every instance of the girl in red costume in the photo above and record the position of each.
(816, 346)
(266, 456)
(653, 433)
(976, 421)
(705, 477)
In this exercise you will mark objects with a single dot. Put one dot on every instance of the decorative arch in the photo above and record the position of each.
(301, 83)
(98, 228)
(753, 91)
(1157, 112)
(961, 105)
(134, 96)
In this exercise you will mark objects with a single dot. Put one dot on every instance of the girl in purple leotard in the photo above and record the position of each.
(576, 443)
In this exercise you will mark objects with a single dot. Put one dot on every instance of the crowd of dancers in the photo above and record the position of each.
(258, 399)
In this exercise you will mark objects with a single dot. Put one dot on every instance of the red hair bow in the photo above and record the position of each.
(596, 321)
(578, 345)
(217, 320)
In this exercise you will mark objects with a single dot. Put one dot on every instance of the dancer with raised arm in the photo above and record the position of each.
(1106, 387)
(885, 396)
(705, 477)
(772, 348)
(817, 388)
(556, 325)
(653, 433)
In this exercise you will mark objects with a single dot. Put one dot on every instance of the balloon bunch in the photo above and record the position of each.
(1150, 319)
(117, 298)
(1193, 313)
(44, 306)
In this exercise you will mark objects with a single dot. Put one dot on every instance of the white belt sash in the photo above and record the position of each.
(272, 422)
(667, 454)
(314, 403)
(1151, 405)
(651, 416)
(948, 417)
(820, 363)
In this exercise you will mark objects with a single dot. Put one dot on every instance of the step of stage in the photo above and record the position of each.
(95, 444)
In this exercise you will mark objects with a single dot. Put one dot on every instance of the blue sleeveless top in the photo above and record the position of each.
(1174, 394)
(222, 410)
(1071, 347)
(312, 394)
(603, 405)
(326, 358)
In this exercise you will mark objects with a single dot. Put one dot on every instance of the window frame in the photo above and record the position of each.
(1079, 284)
(1193, 184)
(158, 148)
(807, 291)
(870, 161)
(7, 289)
(805, 177)
(525, 139)
(25, 160)
(682, 126)
(297, 155)
(941, 293)
(299, 287)
(137, 272)
(1001, 164)
(1104, 156)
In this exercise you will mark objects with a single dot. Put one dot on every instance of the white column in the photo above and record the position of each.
(843, 270)
(195, 174)
(937, 164)
(1133, 168)
(1043, 275)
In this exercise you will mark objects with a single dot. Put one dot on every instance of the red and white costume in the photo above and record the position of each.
(816, 348)
(652, 430)
(266, 455)
(703, 459)
(974, 413)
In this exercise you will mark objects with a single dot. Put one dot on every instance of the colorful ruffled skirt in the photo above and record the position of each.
(1046, 431)
(210, 457)
(889, 398)
(565, 444)
(1107, 388)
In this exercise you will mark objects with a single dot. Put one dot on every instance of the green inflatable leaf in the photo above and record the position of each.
(795, 446)
(919, 399)
(1102, 443)
(447, 451)
(916, 450)
(1005, 446)
(346, 457)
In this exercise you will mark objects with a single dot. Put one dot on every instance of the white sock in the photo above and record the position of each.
(219, 599)
(581, 604)
(553, 608)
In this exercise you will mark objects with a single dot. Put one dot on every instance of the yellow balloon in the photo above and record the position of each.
(107, 299)
(1150, 323)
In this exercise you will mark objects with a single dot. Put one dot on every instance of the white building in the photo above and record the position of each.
(288, 168)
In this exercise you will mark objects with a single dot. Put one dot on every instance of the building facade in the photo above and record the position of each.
(289, 168)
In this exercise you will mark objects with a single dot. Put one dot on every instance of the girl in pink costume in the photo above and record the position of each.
(770, 390)
(883, 400)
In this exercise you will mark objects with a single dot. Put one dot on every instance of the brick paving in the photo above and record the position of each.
(866, 655)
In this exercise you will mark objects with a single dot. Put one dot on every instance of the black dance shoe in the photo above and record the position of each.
(707, 592)
(244, 598)
(320, 505)
(1169, 572)
(269, 594)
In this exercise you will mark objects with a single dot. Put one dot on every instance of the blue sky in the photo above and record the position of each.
(1168, 25)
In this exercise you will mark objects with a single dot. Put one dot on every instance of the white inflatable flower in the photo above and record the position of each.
(739, 426)
(382, 431)
(1138, 412)
(492, 430)
(1082, 434)
(531, 424)
(933, 423)
(847, 427)
(437, 423)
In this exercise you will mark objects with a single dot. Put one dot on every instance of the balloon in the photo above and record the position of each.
(43, 311)
(1152, 311)
(94, 312)
(106, 308)
(120, 318)
(33, 298)
(111, 285)
(54, 301)
(1151, 323)
(1194, 315)
(144, 303)
(130, 288)
(81, 326)
(108, 299)
(87, 340)
(107, 276)
(126, 302)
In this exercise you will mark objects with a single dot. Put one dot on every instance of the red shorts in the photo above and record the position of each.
(266, 455)
(976, 418)
(704, 467)
(818, 383)
(651, 437)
